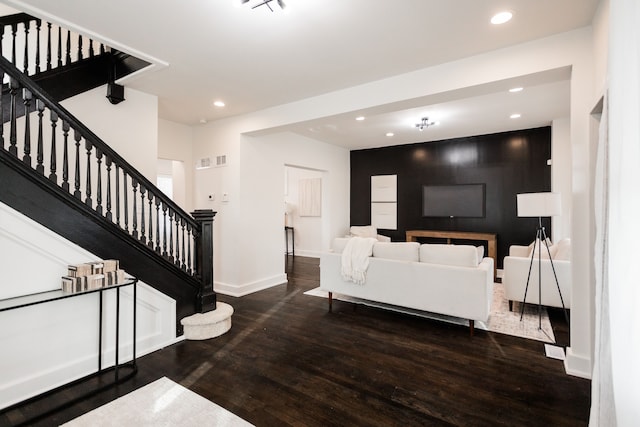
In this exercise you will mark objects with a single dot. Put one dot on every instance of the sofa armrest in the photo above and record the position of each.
(519, 251)
(516, 272)
(487, 264)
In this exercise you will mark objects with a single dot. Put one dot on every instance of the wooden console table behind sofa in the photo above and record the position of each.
(490, 238)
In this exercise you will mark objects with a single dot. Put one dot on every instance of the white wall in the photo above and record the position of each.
(624, 210)
(221, 138)
(561, 176)
(600, 26)
(587, 83)
(262, 184)
(248, 229)
(51, 344)
(175, 142)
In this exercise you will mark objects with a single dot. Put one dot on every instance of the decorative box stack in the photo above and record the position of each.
(92, 275)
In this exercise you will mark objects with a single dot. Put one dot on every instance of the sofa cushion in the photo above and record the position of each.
(548, 240)
(563, 250)
(363, 231)
(457, 255)
(339, 243)
(402, 251)
(519, 251)
(533, 248)
(480, 252)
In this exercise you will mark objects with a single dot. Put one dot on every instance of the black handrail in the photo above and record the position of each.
(88, 135)
(51, 41)
(16, 18)
(88, 175)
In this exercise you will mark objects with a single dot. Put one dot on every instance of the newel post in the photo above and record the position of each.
(204, 259)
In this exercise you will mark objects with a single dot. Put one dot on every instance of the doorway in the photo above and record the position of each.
(305, 209)
(170, 179)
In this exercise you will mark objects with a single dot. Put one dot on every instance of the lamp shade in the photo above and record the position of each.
(539, 204)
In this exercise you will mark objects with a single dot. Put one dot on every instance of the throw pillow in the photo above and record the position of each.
(457, 255)
(533, 248)
(400, 251)
(363, 231)
(563, 250)
(534, 242)
(339, 244)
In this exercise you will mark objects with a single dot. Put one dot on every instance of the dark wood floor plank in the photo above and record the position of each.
(288, 361)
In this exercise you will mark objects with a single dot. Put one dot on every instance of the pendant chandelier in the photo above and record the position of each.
(264, 3)
(425, 123)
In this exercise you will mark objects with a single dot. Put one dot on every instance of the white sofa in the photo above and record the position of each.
(516, 269)
(454, 280)
(367, 231)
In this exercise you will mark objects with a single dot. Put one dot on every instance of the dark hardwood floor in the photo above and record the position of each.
(288, 361)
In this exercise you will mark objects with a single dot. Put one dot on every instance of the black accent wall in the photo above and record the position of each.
(507, 163)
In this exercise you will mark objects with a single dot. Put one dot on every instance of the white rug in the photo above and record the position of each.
(161, 403)
(501, 320)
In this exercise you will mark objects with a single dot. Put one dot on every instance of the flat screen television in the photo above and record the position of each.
(458, 200)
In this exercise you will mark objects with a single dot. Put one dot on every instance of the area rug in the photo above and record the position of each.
(161, 403)
(501, 320)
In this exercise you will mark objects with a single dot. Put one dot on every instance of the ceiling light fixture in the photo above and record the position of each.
(265, 3)
(389, 134)
(218, 104)
(360, 118)
(501, 18)
(515, 116)
(425, 123)
(516, 89)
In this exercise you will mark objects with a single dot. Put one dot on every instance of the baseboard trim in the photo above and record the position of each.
(43, 381)
(249, 288)
(576, 365)
(310, 254)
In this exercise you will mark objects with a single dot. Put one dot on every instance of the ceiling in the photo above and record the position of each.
(252, 59)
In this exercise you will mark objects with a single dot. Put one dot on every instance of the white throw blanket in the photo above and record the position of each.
(355, 259)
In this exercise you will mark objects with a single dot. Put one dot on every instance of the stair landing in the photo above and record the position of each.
(202, 326)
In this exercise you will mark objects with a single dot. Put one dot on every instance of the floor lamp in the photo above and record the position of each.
(539, 205)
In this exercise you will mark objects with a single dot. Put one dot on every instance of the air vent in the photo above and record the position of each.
(203, 163)
(221, 161)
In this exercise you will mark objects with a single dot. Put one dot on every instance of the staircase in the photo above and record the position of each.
(62, 63)
(56, 171)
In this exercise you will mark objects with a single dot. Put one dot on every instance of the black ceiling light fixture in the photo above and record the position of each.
(425, 123)
(265, 3)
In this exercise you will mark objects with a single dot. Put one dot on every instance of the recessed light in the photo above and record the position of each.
(516, 89)
(218, 104)
(360, 118)
(203, 121)
(515, 116)
(389, 133)
(501, 18)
